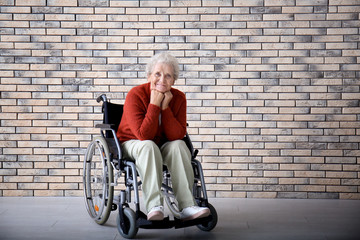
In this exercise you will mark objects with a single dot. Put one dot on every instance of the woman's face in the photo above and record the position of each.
(162, 77)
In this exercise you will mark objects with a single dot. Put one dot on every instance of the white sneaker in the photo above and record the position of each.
(194, 212)
(156, 214)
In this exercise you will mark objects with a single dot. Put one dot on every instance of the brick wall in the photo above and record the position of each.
(272, 89)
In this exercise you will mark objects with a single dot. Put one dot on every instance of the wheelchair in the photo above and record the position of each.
(104, 165)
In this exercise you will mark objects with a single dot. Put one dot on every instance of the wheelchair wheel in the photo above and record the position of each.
(170, 199)
(129, 223)
(97, 179)
(209, 225)
(173, 205)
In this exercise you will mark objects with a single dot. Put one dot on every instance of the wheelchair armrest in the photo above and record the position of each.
(112, 129)
(105, 127)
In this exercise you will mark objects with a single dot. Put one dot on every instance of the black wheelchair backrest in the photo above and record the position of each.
(112, 115)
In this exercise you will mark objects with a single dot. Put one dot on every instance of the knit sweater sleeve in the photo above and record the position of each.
(174, 118)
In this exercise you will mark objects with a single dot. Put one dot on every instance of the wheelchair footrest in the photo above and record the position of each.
(142, 222)
(181, 224)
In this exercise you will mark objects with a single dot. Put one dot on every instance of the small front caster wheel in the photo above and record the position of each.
(208, 226)
(127, 226)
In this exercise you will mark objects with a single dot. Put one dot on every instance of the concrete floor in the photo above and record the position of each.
(66, 218)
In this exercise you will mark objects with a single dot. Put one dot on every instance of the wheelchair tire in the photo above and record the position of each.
(209, 225)
(170, 198)
(129, 223)
(97, 179)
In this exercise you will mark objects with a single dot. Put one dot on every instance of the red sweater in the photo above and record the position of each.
(140, 119)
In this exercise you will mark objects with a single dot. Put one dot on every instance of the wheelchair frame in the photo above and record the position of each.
(112, 165)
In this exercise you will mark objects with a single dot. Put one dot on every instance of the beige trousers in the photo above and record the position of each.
(149, 159)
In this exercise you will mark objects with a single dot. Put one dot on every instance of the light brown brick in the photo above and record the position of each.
(17, 193)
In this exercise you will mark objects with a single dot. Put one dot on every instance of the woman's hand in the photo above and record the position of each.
(160, 99)
(156, 97)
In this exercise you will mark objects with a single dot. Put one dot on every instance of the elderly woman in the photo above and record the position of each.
(151, 132)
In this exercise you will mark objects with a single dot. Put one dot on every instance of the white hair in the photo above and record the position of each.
(166, 58)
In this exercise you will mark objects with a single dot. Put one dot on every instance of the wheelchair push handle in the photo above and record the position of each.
(102, 97)
(195, 153)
